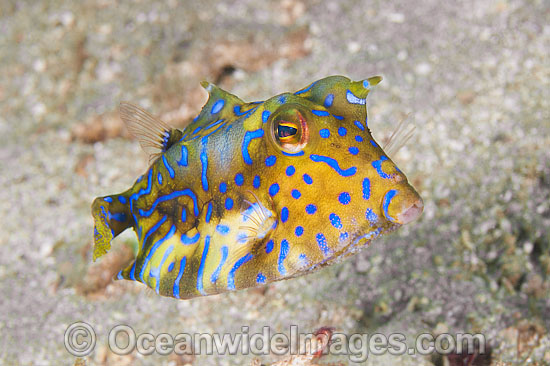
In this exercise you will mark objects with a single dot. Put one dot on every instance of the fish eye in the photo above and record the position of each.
(289, 128)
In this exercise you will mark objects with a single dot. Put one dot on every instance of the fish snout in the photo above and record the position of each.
(402, 205)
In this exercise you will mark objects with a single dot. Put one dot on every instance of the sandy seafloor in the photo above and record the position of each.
(473, 76)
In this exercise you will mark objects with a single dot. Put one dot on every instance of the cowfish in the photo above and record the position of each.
(252, 193)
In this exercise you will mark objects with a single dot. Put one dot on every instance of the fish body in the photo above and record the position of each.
(251, 193)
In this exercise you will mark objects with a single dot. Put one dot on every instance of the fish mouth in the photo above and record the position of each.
(411, 213)
(402, 206)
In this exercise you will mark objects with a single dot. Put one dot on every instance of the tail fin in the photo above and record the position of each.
(111, 216)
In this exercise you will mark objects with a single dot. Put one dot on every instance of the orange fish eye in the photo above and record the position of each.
(290, 129)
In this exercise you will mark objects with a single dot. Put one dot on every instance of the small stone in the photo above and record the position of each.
(396, 17)
(353, 47)
(423, 68)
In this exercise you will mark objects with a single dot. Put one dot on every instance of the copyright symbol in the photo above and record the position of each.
(80, 339)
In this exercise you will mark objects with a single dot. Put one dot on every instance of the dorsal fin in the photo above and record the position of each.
(154, 136)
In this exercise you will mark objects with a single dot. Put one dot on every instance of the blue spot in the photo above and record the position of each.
(222, 229)
(329, 100)
(307, 179)
(386, 202)
(359, 125)
(335, 221)
(228, 203)
(270, 160)
(366, 188)
(282, 99)
(223, 187)
(373, 143)
(260, 278)
(183, 160)
(239, 179)
(274, 189)
(302, 258)
(171, 266)
(358, 138)
(200, 272)
(231, 275)
(249, 135)
(174, 194)
(366, 84)
(322, 242)
(269, 246)
(168, 167)
(225, 250)
(371, 216)
(296, 194)
(284, 214)
(320, 113)
(338, 117)
(190, 240)
(122, 199)
(342, 131)
(353, 99)
(325, 133)
(334, 165)
(377, 164)
(344, 198)
(204, 163)
(290, 170)
(292, 154)
(256, 182)
(217, 106)
(208, 212)
(183, 214)
(343, 236)
(265, 116)
(108, 199)
(311, 209)
(176, 290)
(159, 178)
(299, 231)
(154, 248)
(282, 255)
(196, 130)
(353, 150)
(305, 89)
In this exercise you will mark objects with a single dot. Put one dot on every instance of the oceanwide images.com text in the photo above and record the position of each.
(80, 340)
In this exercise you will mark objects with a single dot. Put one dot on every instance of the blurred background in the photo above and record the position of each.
(472, 76)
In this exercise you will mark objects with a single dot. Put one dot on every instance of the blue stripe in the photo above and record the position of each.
(185, 192)
(320, 113)
(216, 274)
(119, 216)
(377, 164)
(265, 116)
(176, 290)
(366, 188)
(122, 199)
(183, 214)
(190, 240)
(200, 273)
(168, 167)
(183, 160)
(359, 125)
(322, 242)
(334, 165)
(386, 203)
(283, 253)
(353, 99)
(208, 212)
(153, 229)
(292, 154)
(249, 135)
(306, 89)
(231, 275)
(154, 248)
(136, 196)
(204, 164)
(155, 272)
